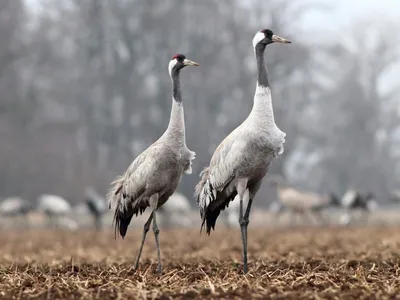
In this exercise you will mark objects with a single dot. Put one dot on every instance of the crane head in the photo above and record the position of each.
(178, 62)
(266, 36)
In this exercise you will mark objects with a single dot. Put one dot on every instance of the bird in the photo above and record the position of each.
(300, 201)
(155, 174)
(176, 211)
(241, 161)
(15, 207)
(354, 200)
(54, 207)
(96, 205)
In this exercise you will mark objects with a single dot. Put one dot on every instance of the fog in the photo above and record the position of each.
(84, 89)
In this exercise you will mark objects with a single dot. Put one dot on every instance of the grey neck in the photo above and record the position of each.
(176, 86)
(262, 77)
(175, 133)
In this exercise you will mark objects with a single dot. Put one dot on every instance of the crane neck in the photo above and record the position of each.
(262, 77)
(175, 132)
(176, 85)
(262, 112)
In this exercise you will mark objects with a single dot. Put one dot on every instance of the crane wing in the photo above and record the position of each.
(220, 173)
(131, 185)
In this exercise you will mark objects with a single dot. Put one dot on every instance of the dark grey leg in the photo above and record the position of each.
(244, 222)
(146, 228)
(156, 231)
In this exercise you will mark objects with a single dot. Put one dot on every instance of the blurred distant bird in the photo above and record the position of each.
(154, 175)
(176, 211)
(14, 206)
(354, 200)
(54, 207)
(96, 205)
(302, 202)
(241, 161)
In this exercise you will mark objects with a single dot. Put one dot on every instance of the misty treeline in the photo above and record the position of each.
(84, 88)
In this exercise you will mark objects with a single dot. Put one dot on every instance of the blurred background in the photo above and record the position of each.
(84, 88)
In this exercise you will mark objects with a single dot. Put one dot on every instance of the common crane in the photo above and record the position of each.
(302, 202)
(155, 174)
(56, 209)
(15, 207)
(241, 161)
(355, 201)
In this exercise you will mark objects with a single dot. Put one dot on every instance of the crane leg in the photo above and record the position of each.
(156, 231)
(146, 228)
(244, 222)
(154, 205)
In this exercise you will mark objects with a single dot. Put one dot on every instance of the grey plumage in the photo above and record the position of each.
(304, 202)
(241, 161)
(53, 205)
(57, 210)
(354, 200)
(15, 206)
(154, 175)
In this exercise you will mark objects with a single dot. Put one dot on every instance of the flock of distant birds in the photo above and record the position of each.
(236, 169)
(177, 212)
(58, 211)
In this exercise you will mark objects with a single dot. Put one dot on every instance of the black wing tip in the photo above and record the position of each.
(118, 190)
(209, 219)
(121, 223)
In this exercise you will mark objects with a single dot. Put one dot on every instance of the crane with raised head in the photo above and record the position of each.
(241, 161)
(155, 174)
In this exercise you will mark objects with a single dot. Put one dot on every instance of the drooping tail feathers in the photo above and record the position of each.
(205, 194)
(122, 215)
(199, 187)
(121, 221)
(114, 193)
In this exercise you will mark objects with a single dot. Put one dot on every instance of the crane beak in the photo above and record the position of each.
(279, 39)
(188, 62)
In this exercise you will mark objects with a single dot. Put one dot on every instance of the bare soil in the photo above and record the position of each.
(301, 263)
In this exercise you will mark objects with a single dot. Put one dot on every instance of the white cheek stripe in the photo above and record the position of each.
(171, 65)
(257, 38)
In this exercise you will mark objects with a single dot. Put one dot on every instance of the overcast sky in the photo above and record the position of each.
(344, 12)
